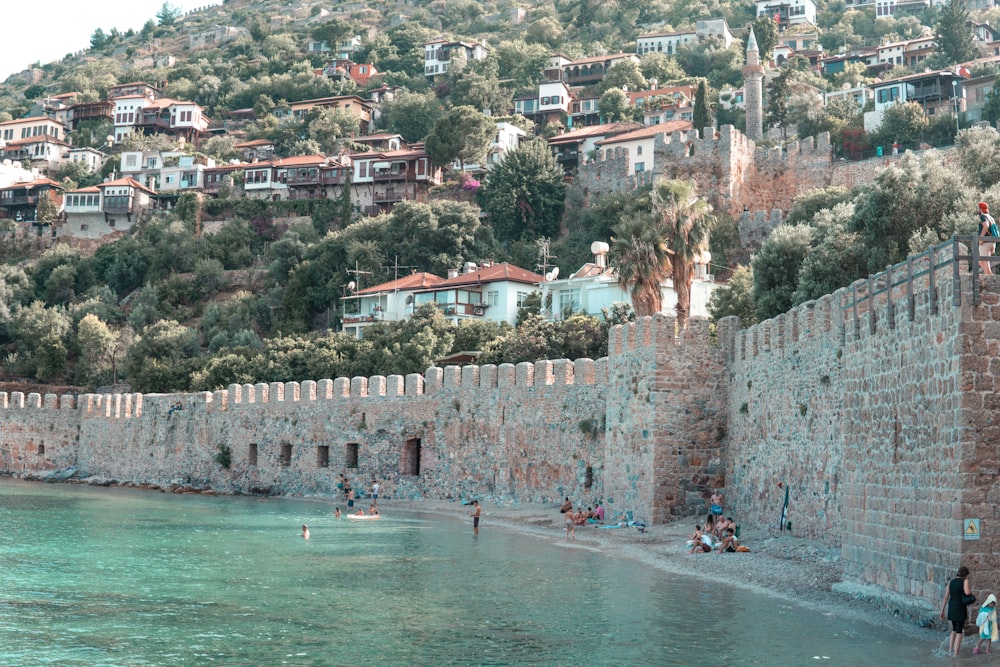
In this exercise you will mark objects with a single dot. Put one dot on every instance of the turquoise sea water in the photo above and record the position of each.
(94, 576)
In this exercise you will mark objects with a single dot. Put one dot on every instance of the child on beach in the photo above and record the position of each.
(697, 541)
(987, 622)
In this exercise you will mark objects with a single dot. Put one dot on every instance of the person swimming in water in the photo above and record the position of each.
(337, 513)
(305, 531)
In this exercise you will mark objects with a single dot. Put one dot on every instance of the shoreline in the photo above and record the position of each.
(784, 566)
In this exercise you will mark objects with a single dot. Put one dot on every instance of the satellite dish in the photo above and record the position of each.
(351, 285)
(555, 273)
(548, 276)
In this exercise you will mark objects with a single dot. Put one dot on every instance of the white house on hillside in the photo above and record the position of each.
(491, 291)
(594, 287)
(388, 302)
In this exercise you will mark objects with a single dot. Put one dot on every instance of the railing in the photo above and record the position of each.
(902, 278)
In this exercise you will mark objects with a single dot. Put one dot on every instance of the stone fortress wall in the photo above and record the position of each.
(878, 418)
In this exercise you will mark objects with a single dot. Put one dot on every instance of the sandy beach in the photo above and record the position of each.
(777, 564)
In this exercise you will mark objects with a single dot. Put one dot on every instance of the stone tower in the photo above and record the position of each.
(753, 85)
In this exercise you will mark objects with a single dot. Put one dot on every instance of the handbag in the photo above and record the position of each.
(968, 599)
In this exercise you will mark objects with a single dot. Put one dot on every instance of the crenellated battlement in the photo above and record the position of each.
(541, 374)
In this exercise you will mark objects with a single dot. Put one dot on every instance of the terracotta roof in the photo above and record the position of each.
(130, 182)
(376, 137)
(410, 282)
(255, 142)
(34, 183)
(92, 188)
(667, 34)
(608, 129)
(669, 127)
(298, 160)
(690, 91)
(40, 139)
(493, 274)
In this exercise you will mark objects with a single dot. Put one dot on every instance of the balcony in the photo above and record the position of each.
(472, 309)
(389, 196)
(153, 122)
(19, 200)
(394, 175)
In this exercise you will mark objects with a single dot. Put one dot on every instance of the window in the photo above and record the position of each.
(286, 454)
(521, 296)
(886, 95)
(640, 166)
(323, 456)
(638, 150)
(252, 454)
(351, 455)
(493, 298)
(569, 301)
(131, 160)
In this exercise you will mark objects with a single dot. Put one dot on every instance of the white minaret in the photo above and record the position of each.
(753, 86)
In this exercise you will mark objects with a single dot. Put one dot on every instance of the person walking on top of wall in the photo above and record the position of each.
(987, 227)
(956, 601)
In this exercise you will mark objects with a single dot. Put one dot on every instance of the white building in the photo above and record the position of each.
(388, 302)
(439, 54)
(91, 158)
(640, 143)
(492, 292)
(788, 12)
(595, 287)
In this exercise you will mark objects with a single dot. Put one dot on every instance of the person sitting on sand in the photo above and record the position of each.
(580, 518)
(566, 507)
(599, 513)
(697, 543)
(729, 542)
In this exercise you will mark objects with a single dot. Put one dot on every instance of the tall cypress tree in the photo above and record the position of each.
(701, 118)
(952, 33)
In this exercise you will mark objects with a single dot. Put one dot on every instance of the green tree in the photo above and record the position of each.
(484, 93)
(98, 40)
(701, 118)
(413, 115)
(778, 92)
(162, 359)
(613, 106)
(523, 197)
(776, 269)
(641, 260)
(838, 256)
(952, 33)
(328, 126)
(979, 155)
(686, 224)
(662, 68)
(332, 32)
(735, 299)
(46, 211)
(901, 123)
(167, 15)
(624, 75)
(991, 110)
(96, 342)
(463, 134)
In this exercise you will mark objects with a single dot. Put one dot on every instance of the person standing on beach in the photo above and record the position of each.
(957, 611)
(374, 492)
(717, 501)
(987, 622)
(476, 512)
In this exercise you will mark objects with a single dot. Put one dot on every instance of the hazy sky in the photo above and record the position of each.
(49, 30)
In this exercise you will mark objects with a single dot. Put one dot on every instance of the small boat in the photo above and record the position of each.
(364, 516)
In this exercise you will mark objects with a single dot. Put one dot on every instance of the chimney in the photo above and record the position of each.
(600, 251)
(469, 267)
(453, 273)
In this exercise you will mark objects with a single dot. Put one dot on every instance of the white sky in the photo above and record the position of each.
(49, 30)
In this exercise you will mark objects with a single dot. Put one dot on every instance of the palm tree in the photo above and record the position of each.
(685, 223)
(639, 255)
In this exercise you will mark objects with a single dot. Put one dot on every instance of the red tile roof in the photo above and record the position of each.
(493, 274)
(607, 129)
(669, 127)
(413, 281)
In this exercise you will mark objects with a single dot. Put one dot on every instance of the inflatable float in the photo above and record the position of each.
(359, 517)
